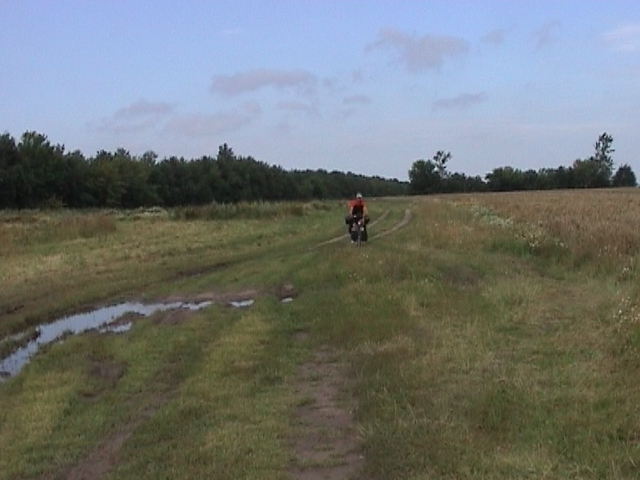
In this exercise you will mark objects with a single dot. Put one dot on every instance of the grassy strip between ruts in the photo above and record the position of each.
(56, 262)
(470, 358)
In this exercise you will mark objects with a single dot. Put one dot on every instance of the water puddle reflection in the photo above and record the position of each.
(242, 303)
(119, 328)
(75, 324)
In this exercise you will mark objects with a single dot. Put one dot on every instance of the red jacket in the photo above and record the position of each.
(359, 206)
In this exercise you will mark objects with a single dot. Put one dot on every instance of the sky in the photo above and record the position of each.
(357, 86)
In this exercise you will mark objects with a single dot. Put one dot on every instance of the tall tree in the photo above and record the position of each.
(603, 160)
(41, 178)
(603, 151)
(423, 178)
(440, 159)
(428, 176)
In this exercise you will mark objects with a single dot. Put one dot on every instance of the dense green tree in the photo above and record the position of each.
(169, 179)
(34, 173)
(460, 183)
(424, 178)
(560, 178)
(505, 179)
(76, 192)
(39, 180)
(432, 176)
(9, 171)
(589, 173)
(105, 182)
(624, 177)
(595, 171)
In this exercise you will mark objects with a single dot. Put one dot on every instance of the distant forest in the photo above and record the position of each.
(34, 173)
(597, 171)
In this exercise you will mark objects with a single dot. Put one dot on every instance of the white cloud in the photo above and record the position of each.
(331, 84)
(299, 107)
(356, 100)
(494, 37)
(203, 125)
(460, 102)
(623, 39)
(137, 117)
(547, 34)
(109, 125)
(262, 78)
(357, 76)
(418, 54)
(143, 108)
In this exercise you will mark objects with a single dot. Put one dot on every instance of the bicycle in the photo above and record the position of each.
(359, 233)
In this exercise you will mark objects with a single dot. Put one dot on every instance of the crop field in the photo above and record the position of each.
(487, 336)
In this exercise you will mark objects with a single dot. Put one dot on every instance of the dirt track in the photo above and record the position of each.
(405, 220)
(326, 444)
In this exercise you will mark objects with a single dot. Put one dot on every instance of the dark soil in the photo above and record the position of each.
(326, 445)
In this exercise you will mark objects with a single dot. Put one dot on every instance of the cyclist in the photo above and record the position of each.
(357, 208)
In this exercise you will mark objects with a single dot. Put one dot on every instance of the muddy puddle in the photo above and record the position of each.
(101, 320)
(242, 303)
(104, 320)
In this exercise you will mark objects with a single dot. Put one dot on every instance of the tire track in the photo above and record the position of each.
(342, 237)
(402, 223)
(405, 220)
(325, 444)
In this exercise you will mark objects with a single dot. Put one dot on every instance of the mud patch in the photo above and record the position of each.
(173, 317)
(301, 335)
(102, 376)
(326, 445)
(215, 297)
(197, 272)
(286, 292)
(9, 309)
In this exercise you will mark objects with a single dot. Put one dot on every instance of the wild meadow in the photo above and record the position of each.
(494, 336)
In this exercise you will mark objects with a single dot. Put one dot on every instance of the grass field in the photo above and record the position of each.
(494, 336)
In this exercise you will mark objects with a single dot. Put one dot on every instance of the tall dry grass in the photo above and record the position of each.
(588, 226)
(20, 229)
(482, 352)
(247, 210)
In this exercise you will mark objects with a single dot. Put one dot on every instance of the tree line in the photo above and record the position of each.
(597, 171)
(35, 173)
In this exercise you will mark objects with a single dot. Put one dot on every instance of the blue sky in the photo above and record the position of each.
(350, 85)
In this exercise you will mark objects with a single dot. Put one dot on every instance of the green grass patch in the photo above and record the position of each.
(471, 354)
